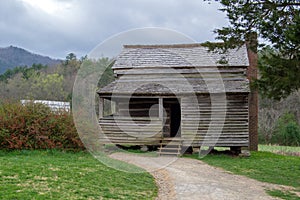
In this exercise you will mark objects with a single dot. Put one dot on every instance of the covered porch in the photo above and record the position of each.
(139, 120)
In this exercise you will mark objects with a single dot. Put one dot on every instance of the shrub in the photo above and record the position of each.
(287, 131)
(291, 134)
(35, 126)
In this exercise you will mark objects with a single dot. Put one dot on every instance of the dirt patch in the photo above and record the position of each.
(165, 184)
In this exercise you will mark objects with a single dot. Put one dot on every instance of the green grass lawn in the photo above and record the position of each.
(262, 166)
(280, 149)
(66, 175)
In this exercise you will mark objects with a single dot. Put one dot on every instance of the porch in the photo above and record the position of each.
(139, 120)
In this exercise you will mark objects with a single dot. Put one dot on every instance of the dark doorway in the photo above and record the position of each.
(175, 118)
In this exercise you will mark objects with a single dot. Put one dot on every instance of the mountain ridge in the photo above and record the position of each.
(12, 56)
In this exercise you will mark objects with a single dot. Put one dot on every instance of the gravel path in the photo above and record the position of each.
(184, 178)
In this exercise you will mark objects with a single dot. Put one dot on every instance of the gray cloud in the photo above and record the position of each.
(113, 45)
(80, 25)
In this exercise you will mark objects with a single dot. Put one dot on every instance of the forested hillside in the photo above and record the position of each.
(11, 57)
(42, 82)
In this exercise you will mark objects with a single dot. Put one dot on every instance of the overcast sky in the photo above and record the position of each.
(58, 27)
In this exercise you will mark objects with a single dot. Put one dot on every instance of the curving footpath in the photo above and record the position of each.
(184, 178)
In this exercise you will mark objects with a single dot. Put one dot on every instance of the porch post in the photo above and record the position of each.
(161, 109)
(117, 107)
(101, 105)
(161, 113)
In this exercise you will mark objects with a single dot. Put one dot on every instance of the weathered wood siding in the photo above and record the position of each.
(156, 73)
(161, 80)
(131, 131)
(135, 123)
(196, 120)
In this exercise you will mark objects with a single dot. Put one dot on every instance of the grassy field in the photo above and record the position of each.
(287, 150)
(66, 175)
(262, 166)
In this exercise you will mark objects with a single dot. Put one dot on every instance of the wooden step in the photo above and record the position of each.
(170, 146)
(169, 153)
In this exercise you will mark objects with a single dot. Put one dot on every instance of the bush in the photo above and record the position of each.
(287, 131)
(291, 134)
(35, 126)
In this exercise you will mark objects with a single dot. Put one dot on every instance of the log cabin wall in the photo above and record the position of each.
(130, 131)
(232, 130)
(135, 123)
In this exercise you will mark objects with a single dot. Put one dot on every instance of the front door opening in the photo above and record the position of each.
(175, 118)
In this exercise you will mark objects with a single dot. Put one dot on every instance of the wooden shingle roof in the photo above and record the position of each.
(178, 69)
(178, 55)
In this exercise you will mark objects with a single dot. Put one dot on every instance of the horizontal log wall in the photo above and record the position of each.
(198, 128)
(155, 73)
(131, 131)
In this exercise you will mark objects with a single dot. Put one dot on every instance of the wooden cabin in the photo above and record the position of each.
(181, 94)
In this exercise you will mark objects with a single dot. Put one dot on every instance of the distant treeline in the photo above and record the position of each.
(24, 70)
(48, 83)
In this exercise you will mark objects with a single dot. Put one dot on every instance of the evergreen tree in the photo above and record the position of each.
(277, 24)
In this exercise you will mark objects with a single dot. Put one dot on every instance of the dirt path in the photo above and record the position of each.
(193, 179)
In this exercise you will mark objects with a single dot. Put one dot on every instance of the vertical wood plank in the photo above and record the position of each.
(117, 107)
(161, 108)
(101, 105)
